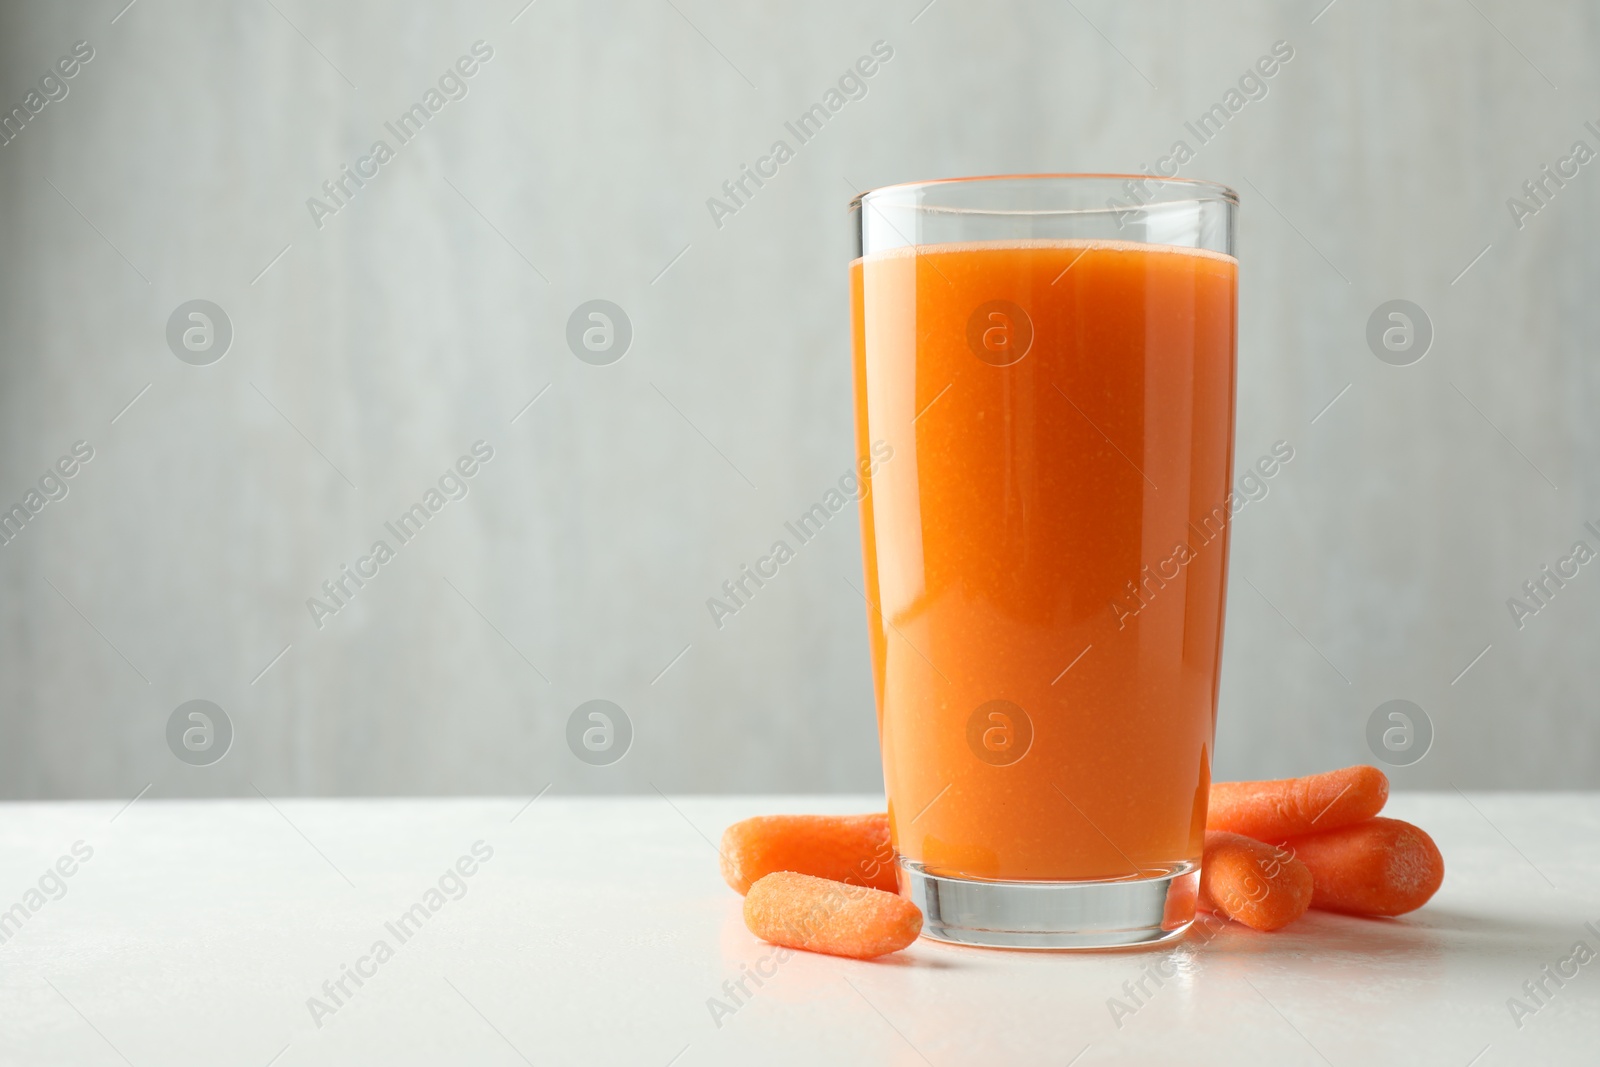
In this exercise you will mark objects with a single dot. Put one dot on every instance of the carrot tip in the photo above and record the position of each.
(1263, 887)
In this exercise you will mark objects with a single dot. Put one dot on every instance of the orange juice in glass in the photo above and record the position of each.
(1049, 363)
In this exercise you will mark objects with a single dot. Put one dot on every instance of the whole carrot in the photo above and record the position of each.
(845, 848)
(1289, 807)
(1377, 867)
(1253, 883)
(799, 911)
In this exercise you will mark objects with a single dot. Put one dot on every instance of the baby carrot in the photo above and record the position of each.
(799, 911)
(1289, 807)
(844, 848)
(1253, 883)
(1377, 867)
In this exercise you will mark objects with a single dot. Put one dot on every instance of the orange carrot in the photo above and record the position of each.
(844, 848)
(1289, 807)
(1377, 867)
(799, 911)
(1258, 885)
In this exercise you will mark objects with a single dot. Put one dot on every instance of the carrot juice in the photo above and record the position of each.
(1046, 548)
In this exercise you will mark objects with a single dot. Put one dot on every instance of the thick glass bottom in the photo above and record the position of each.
(1053, 915)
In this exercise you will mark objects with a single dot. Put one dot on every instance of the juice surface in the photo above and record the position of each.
(1045, 548)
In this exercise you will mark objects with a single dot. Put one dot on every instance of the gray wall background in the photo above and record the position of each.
(425, 315)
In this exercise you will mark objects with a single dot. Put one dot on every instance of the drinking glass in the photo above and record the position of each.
(1044, 397)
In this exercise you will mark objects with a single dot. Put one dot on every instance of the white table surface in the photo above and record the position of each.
(599, 930)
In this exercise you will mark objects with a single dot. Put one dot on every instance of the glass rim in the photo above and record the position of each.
(1208, 191)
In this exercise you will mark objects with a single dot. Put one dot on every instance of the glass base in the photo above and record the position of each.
(1053, 915)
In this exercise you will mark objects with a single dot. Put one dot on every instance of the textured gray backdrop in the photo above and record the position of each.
(370, 352)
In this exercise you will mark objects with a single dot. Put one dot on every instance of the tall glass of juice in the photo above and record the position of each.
(1044, 390)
